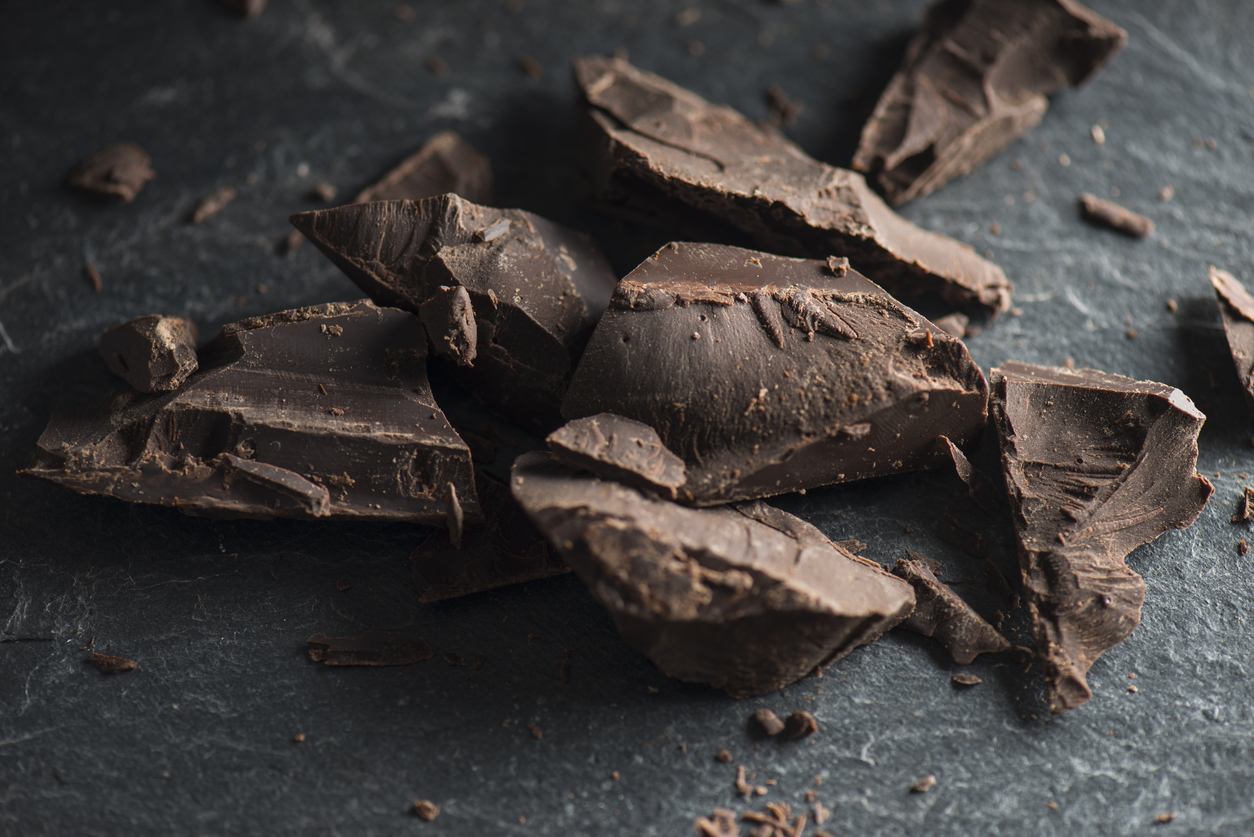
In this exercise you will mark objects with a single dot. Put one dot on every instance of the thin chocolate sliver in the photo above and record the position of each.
(1236, 307)
(152, 353)
(212, 204)
(620, 449)
(372, 648)
(1096, 465)
(941, 614)
(446, 163)
(1111, 214)
(118, 171)
(109, 664)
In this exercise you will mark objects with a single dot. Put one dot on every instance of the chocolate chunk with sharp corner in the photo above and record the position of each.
(620, 449)
(1096, 465)
(663, 154)
(321, 412)
(1236, 307)
(153, 353)
(745, 598)
(446, 163)
(535, 288)
(767, 374)
(449, 318)
(941, 613)
(979, 486)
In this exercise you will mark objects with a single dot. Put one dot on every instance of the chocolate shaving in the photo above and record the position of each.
(768, 722)
(118, 171)
(941, 614)
(1111, 214)
(963, 679)
(109, 664)
(722, 823)
(372, 648)
(799, 725)
(92, 275)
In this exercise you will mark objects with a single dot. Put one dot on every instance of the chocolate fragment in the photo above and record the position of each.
(724, 756)
(536, 732)
(446, 163)
(504, 549)
(1236, 307)
(663, 154)
(767, 374)
(212, 204)
(975, 78)
(964, 679)
(153, 353)
(941, 614)
(746, 598)
(426, 809)
(118, 171)
(372, 648)
(108, 664)
(315, 412)
(924, 785)
(619, 449)
(768, 722)
(979, 486)
(1245, 508)
(722, 823)
(535, 288)
(799, 725)
(449, 318)
(93, 277)
(1096, 465)
(1116, 217)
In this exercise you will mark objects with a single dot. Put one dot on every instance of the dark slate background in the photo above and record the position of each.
(200, 738)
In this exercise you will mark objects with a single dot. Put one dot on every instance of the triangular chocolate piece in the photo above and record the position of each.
(1236, 306)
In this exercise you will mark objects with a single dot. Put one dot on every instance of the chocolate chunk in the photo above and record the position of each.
(108, 664)
(118, 171)
(535, 288)
(426, 809)
(979, 486)
(995, 582)
(449, 318)
(975, 78)
(1236, 307)
(212, 204)
(1116, 217)
(663, 154)
(799, 725)
(746, 598)
(941, 614)
(1096, 466)
(153, 353)
(372, 648)
(315, 412)
(619, 449)
(768, 722)
(768, 374)
(505, 549)
(964, 679)
(446, 163)
(245, 8)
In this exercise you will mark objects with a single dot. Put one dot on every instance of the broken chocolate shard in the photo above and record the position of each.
(505, 549)
(118, 171)
(619, 449)
(449, 317)
(799, 725)
(745, 598)
(1236, 307)
(796, 377)
(109, 664)
(153, 353)
(1096, 465)
(321, 412)
(663, 154)
(1111, 214)
(768, 722)
(975, 78)
(979, 486)
(372, 648)
(446, 163)
(941, 613)
(535, 288)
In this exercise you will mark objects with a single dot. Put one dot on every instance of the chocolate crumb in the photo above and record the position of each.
(1111, 214)
(1166, 193)
(1053, 806)
(1132, 334)
(768, 721)
(1165, 817)
(687, 17)
(563, 666)
(1243, 548)
(1098, 134)
(324, 192)
(273, 575)
(531, 638)
(118, 171)
(994, 228)
(108, 664)
(614, 776)
(436, 66)
(964, 679)
(247, 9)
(1021, 654)
(299, 737)
(1172, 306)
(821, 812)
(342, 585)
(426, 809)
(453, 660)
(530, 67)
(724, 756)
(478, 662)
(924, 785)
(535, 731)
(213, 203)
(799, 725)
(1133, 689)
(93, 276)
(742, 786)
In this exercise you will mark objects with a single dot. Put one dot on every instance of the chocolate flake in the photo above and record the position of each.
(941, 614)
(446, 163)
(118, 171)
(426, 809)
(108, 664)
(964, 679)
(663, 154)
(536, 732)
(979, 486)
(816, 378)
(153, 353)
(1111, 214)
(746, 598)
(212, 204)
(741, 784)
(768, 722)
(620, 449)
(1096, 465)
(722, 823)
(799, 725)
(975, 78)
(1236, 307)
(372, 648)
(93, 277)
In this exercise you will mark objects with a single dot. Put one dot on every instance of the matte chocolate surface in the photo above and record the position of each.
(152, 353)
(975, 78)
(1236, 307)
(1096, 465)
(667, 156)
(118, 171)
(768, 374)
(1111, 214)
(619, 449)
(746, 598)
(315, 412)
(446, 163)
(505, 549)
(372, 648)
(941, 613)
(536, 289)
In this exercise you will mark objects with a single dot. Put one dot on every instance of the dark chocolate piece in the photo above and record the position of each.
(799, 725)
(118, 171)
(1096, 465)
(446, 163)
(372, 648)
(1236, 307)
(108, 664)
(316, 412)
(619, 449)
(668, 156)
(767, 374)
(1116, 217)
(153, 353)
(212, 204)
(979, 486)
(768, 722)
(975, 78)
(941, 614)
(536, 289)
(505, 549)
(245, 8)
(746, 598)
